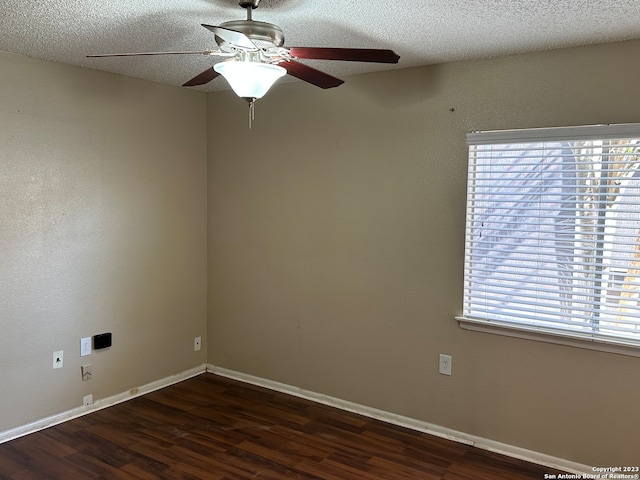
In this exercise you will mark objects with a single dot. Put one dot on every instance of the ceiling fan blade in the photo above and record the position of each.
(311, 75)
(348, 54)
(205, 77)
(136, 54)
(233, 37)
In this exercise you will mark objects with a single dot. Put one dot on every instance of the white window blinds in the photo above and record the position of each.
(553, 231)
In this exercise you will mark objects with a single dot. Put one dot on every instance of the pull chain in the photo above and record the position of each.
(252, 110)
(251, 101)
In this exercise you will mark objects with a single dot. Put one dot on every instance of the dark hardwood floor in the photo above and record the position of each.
(210, 427)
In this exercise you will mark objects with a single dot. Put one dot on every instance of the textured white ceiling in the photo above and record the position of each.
(420, 31)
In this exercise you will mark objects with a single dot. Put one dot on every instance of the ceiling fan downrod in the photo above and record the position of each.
(249, 5)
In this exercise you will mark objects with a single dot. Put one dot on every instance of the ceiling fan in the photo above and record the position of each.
(257, 57)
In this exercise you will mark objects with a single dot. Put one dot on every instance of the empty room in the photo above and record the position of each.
(415, 255)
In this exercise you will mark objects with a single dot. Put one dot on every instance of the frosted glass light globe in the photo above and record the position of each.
(250, 79)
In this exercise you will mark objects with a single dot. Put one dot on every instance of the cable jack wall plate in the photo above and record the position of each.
(58, 358)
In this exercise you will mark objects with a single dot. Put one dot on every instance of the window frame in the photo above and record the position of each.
(618, 345)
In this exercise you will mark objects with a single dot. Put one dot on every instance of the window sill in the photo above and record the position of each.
(549, 336)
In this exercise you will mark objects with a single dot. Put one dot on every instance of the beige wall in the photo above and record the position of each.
(335, 243)
(336, 247)
(102, 228)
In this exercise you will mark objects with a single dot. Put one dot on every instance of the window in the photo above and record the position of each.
(553, 234)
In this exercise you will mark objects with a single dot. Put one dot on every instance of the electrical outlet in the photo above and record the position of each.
(197, 344)
(58, 358)
(445, 364)
(85, 346)
(87, 400)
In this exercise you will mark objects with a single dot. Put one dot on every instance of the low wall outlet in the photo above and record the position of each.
(58, 358)
(445, 364)
(87, 400)
(197, 344)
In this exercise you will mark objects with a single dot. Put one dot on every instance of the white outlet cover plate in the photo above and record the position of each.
(197, 344)
(445, 364)
(58, 359)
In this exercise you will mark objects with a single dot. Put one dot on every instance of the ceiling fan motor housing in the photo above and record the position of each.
(263, 34)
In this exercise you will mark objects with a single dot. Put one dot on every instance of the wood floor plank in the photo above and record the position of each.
(402, 470)
(38, 464)
(214, 428)
(329, 468)
(96, 466)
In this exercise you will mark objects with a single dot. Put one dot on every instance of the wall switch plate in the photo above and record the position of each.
(58, 359)
(445, 364)
(87, 400)
(197, 344)
(85, 346)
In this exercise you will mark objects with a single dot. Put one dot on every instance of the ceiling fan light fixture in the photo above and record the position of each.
(250, 80)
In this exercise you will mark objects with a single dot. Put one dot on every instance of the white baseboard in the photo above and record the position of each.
(418, 425)
(99, 404)
(407, 422)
